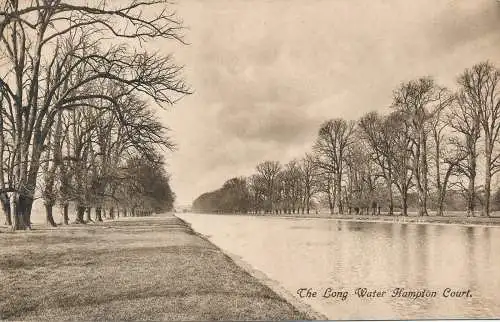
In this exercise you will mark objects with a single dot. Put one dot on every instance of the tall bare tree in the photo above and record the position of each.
(447, 155)
(334, 137)
(379, 132)
(419, 100)
(480, 93)
(257, 190)
(401, 156)
(269, 172)
(463, 119)
(310, 178)
(31, 31)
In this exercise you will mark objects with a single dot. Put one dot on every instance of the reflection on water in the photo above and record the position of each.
(344, 255)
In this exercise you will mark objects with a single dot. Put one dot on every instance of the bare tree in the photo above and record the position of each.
(29, 32)
(362, 178)
(269, 171)
(290, 180)
(463, 119)
(326, 188)
(378, 131)
(356, 172)
(334, 137)
(447, 156)
(5, 154)
(50, 166)
(310, 178)
(419, 100)
(257, 189)
(480, 96)
(402, 149)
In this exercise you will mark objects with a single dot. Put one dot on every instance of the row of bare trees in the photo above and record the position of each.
(273, 188)
(75, 90)
(435, 144)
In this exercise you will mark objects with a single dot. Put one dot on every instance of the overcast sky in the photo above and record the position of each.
(267, 73)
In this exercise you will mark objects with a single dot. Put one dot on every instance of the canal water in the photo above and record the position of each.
(331, 264)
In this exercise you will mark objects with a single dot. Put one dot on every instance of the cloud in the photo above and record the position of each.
(267, 73)
(461, 22)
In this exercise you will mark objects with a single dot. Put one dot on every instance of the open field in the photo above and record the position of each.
(134, 269)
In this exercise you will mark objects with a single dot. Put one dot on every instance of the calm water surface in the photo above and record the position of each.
(346, 255)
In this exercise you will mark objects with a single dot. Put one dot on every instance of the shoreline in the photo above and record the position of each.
(395, 219)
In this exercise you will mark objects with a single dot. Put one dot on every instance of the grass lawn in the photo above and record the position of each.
(149, 268)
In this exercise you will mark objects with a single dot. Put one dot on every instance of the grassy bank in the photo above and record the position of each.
(135, 269)
(458, 219)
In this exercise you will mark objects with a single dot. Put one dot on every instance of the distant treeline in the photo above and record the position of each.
(240, 201)
(436, 150)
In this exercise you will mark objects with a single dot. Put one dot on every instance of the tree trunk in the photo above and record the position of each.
(88, 212)
(417, 171)
(16, 209)
(471, 191)
(391, 196)
(420, 192)
(98, 214)
(444, 187)
(340, 206)
(333, 200)
(48, 214)
(440, 205)
(404, 203)
(487, 193)
(487, 182)
(112, 213)
(27, 199)
(65, 214)
(6, 209)
(471, 195)
(80, 212)
(25, 205)
(424, 172)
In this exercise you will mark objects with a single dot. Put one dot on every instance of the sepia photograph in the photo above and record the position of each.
(249, 160)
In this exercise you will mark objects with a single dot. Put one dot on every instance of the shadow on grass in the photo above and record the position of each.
(153, 270)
